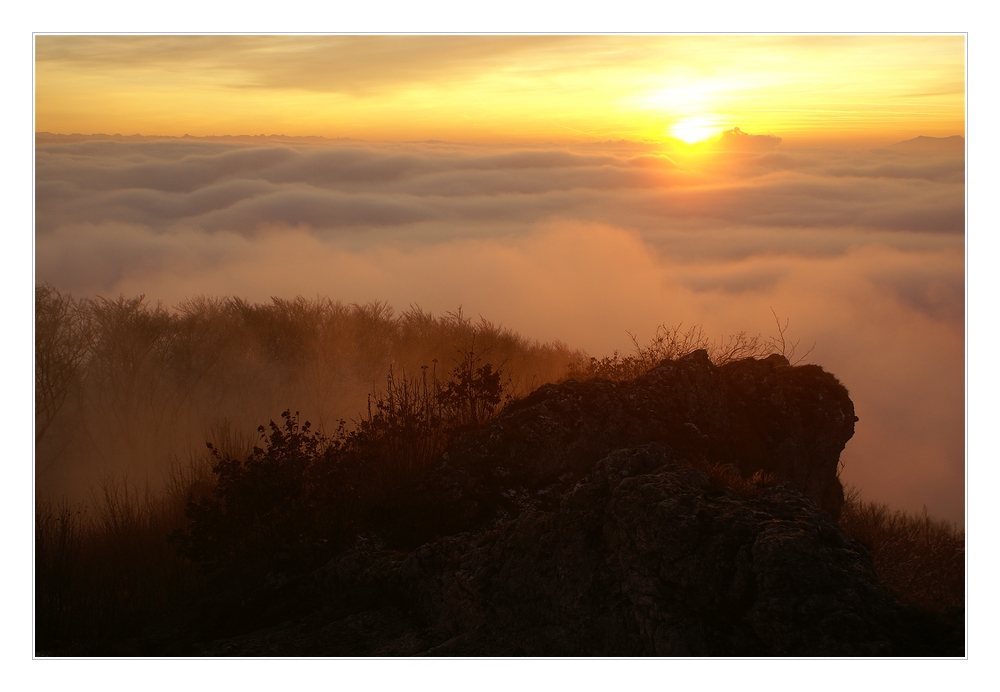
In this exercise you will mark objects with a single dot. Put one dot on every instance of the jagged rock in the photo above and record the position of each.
(747, 416)
(643, 556)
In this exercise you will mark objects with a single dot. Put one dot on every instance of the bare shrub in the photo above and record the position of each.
(782, 345)
(126, 385)
(302, 495)
(918, 558)
(670, 343)
(63, 334)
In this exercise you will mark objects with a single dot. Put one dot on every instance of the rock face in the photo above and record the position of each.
(577, 523)
(754, 415)
(746, 416)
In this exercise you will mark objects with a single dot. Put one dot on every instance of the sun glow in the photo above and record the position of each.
(693, 130)
(479, 88)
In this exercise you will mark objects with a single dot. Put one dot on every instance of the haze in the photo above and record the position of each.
(579, 188)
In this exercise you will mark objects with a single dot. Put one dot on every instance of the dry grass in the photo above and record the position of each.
(105, 570)
(727, 476)
(140, 382)
(919, 559)
(670, 343)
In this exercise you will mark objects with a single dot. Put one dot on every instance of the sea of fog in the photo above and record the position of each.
(861, 249)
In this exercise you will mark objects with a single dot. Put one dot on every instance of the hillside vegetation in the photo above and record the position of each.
(124, 385)
(151, 564)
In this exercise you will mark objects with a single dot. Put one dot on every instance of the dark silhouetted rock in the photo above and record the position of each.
(644, 556)
(751, 415)
(582, 522)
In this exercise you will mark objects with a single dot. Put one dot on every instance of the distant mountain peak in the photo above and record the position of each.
(955, 143)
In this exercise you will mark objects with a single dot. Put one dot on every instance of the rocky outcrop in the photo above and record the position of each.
(746, 416)
(750, 414)
(582, 522)
(644, 556)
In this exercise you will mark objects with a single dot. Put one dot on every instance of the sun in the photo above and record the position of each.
(693, 130)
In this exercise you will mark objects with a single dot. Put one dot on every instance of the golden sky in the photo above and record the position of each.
(503, 88)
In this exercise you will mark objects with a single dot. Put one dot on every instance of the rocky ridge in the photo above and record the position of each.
(620, 519)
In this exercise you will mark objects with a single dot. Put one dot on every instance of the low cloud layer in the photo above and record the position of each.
(862, 249)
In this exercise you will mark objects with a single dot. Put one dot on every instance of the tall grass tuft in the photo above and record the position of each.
(104, 571)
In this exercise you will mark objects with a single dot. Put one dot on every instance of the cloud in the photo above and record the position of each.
(239, 187)
(862, 250)
(353, 65)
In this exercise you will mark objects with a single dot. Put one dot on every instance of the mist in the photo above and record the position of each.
(862, 250)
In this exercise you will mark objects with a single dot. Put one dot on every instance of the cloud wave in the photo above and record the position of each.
(862, 249)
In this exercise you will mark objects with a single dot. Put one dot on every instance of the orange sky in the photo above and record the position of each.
(503, 88)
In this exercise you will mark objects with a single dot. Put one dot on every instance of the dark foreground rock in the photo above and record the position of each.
(643, 556)
(616, 519)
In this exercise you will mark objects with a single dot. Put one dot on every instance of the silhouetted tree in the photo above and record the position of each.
(62, 342)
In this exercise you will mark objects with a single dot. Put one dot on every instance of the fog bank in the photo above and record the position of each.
(863, 250)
